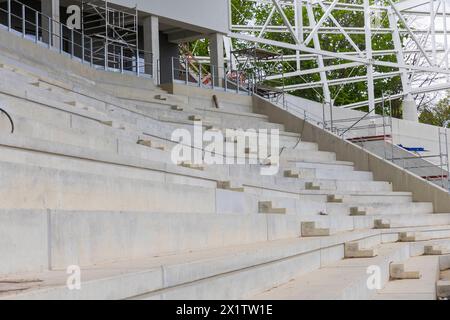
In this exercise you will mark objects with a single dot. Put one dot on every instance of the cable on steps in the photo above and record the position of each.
(9, 118)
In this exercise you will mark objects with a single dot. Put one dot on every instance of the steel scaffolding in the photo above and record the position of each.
(115, 34)
(419, 52)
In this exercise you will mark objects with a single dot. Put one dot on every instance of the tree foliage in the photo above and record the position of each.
(438, 115)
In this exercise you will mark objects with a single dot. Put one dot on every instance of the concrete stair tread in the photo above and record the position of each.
(237, 113)
(415, 229)
(339, 280)
(334, 162)
(417, 289)
(181, 266)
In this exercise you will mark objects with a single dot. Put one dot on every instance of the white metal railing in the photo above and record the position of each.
(35, 26)
(205, 75)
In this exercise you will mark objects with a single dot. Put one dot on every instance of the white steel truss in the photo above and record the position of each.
(420, 53)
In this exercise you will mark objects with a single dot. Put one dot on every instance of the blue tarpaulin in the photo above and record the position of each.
(413, 149)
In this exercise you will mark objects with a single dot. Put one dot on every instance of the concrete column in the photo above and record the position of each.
(410, 109)
(50, 8)
(216, 54)
(167, 51)
(151, 45)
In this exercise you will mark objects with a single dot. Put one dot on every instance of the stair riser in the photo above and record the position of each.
(29, 187)
(384, 209)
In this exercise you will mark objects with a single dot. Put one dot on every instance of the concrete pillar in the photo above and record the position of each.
(151, 45)
(410, 109)
(167, 51)
(216, 54)
(50, 8)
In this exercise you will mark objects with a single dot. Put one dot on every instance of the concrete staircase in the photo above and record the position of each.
(87, 179)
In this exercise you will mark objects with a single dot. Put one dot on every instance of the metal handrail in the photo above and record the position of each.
(204, 75)
(354, 124)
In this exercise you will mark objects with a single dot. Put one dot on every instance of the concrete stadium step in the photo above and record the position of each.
(88, 116)
(26, 127)
(290, 155)
(234, 106)
(299, 204)
(61, 116)
(326, 170)
(22, 94)
(414, 289)
(384, 209)
(63, 196)
(127, 92)
(63, 157)
(143, 96)
(419, 233)
(147, 89)
(435, 247)
(412, 220)
(188, 277)
(342, 280)
(26, 187)
(293, 184)
(158, 106)
(189, 120)
(333, 165)
(355, 197)
(89, 137)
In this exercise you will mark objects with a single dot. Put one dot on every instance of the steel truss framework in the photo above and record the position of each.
(424, 53)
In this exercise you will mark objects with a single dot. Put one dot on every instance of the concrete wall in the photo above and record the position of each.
(402, 180)
(208, 14)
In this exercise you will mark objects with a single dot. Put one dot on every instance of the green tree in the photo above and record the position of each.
(438, 115)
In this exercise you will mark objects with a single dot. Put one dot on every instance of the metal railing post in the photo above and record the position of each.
(323, 116)
(82, 46)
(158, 71)
(9, 15)
(199, 75)
(121, 59)
(92, 52)
(50, 32)
(105, 64)
(441, 160)
(331, 115)
(138, 71)
(23, 21)
(72, 45)
(186, 69)
(213, 73)
(36, 18)
(384, 126)
(225, 84)
(446, 151)
(61, 38)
